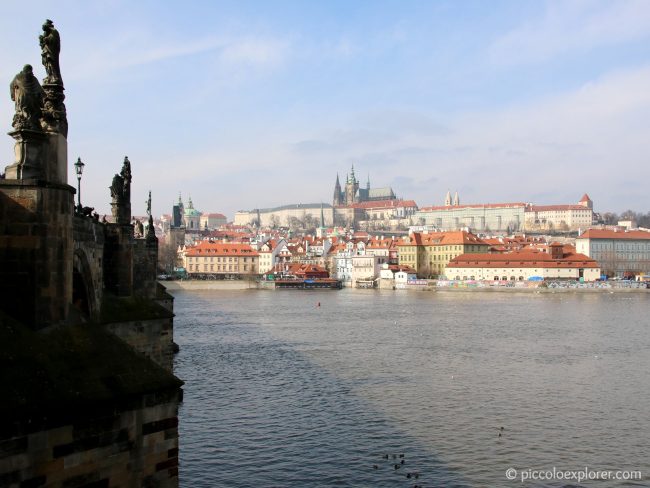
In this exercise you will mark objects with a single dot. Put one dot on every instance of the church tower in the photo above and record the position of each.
(337, 192)
(456, 200)
(448, 199)
(351, 187)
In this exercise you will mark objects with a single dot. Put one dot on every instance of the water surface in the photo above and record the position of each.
(283, 392)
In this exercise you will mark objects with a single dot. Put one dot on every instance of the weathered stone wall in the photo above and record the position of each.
(153, 338)
(134, 444)
(118, 259)
(89, 260)
(145, 262)
(36, 251)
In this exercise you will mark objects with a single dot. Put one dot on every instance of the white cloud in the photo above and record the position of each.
(573, 26)
(255, 51)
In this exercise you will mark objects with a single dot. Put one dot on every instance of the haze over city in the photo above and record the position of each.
(258, 104)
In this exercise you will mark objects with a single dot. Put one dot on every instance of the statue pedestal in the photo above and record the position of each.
(31, 150)
(56, 158)
(54, 112)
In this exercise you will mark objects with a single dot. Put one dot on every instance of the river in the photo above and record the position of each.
(317, 388)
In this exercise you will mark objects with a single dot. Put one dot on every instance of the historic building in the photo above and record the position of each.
(354, 193)
(620, 253)
(557, 263)
(480, 217)
(299, 215)
(219, 259)
(560, 217)
(429, 253)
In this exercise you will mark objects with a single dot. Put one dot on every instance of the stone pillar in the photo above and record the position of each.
(118, 259)
(31, 153)
(36, 250)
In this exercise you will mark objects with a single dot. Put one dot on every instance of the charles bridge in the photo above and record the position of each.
(86, 332)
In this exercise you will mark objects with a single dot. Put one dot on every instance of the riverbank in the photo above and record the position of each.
(191, 285)
(209, 285)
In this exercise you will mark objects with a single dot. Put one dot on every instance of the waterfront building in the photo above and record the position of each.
(384, 248)
(558, 263)
(429, 253)
(272, 252)
(219, 259)
(364, 267)
(560, 217)
(392, 274)
(621, 253)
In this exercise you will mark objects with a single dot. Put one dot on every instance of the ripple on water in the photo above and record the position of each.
(279, 393)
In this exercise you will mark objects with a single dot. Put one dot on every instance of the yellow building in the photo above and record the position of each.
(429, 254)
(220, 259)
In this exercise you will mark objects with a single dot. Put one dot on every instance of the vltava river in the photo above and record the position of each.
(282, 392)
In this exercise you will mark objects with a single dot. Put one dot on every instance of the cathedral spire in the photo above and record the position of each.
(448, 199)
(322, 216)
(456, 199)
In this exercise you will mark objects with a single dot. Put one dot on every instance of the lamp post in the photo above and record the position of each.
(79, 169)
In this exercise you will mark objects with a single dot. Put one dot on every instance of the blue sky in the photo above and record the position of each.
(256, 104)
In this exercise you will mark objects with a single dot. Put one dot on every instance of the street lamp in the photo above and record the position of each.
(79, 169)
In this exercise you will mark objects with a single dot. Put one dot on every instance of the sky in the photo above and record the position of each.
(254, 104)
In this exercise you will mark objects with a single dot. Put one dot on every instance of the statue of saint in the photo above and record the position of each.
(117, 189)
(126, 177)
(28, 95)
(50, 49)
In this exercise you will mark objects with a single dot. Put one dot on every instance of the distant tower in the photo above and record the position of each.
(322, 216)
(448, 199)
(337, 192)
(585, 201)
(351, 187)
(180, 205)
(368, 184)
(456, 200)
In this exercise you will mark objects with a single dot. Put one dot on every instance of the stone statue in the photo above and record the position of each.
(28, 95)
(126, 178)
(50, 49)
(117, 188)
(139, 229)
(121, 194)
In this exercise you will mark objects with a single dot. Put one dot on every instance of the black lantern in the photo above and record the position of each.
(79, 169)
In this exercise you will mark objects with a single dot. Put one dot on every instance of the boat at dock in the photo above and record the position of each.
(307, 283)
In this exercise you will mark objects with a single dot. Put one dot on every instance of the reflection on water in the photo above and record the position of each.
(282, 392)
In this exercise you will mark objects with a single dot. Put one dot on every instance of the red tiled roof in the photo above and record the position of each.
(384, 204)
(214, 215)
(207, 248)
(475, 205)
(442, 239)
(585, 198)
(551, 208)
(522, 259)
(611, 234)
